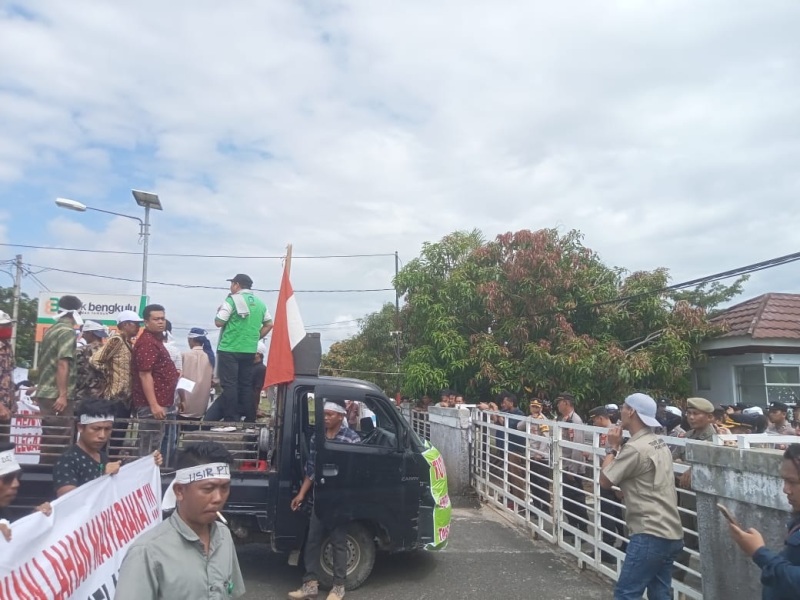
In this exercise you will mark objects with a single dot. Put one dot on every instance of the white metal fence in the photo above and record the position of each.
(420, 423)
(546, 477)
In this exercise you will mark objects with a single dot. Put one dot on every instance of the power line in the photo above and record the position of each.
(203, 287)
(176, 255)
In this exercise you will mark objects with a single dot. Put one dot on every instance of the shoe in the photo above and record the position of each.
(337, 593)
(309, 591)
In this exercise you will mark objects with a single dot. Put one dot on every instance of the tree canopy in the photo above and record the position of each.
(537, 313)
(371, 354)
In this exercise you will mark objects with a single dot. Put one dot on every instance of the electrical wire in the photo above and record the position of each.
(201, 287)
(174, 255)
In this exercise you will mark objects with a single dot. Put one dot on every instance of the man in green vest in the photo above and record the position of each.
(244, 320)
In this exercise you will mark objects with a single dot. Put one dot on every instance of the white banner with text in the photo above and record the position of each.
(77, 551)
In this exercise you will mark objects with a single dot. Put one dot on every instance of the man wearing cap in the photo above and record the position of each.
(89, 380)
(541, 475)
(335, 431)
(7, 389)
(573, 497)
(778, 424)
(198, 366)
(700, 416)
(114, 361)
(190, 554)
(642, 469)
(55, 390)
(244, 320)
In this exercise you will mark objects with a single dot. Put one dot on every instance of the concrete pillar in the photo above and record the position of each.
(747, 483)
(450, 435)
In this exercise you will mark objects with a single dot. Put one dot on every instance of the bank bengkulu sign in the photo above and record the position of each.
(96, 307)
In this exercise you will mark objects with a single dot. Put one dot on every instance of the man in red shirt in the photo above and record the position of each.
(154, 379)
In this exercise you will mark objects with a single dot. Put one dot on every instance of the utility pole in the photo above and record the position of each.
(397, 332)
(15, 310)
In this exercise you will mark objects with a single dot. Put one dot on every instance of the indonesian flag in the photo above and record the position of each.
(287, 332)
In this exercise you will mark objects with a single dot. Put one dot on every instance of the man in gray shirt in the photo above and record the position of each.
(189, 556)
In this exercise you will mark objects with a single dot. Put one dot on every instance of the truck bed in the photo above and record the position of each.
(248, 442)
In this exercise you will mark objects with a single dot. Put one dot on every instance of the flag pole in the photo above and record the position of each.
(288, 265)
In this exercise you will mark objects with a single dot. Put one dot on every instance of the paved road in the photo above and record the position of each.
(486, 558)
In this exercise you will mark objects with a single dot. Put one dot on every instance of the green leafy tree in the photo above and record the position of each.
(372, 354)
(443, 311)
(538, 312)
(26, 323)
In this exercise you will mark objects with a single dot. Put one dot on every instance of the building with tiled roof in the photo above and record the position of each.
(757, 359)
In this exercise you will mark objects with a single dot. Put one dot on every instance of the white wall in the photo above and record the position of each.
(723, 378)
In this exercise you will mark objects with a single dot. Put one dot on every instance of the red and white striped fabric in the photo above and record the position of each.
(287, 332)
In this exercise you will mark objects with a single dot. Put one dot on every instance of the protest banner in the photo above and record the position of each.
(77, 551)
(26, 431)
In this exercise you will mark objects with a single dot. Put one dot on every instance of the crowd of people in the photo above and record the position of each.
(137, 369)
(637, 479)
(103, 382)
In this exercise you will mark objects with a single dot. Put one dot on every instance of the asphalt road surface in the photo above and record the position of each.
(485, 558)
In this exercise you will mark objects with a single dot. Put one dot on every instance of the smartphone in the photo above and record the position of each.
(727, 514)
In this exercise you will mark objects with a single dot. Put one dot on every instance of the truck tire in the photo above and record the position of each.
(361, 551)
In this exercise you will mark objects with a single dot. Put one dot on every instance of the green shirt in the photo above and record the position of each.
(58, 342)
(169, 563)
(241, 334)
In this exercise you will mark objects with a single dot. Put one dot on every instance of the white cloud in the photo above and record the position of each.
(665, 131)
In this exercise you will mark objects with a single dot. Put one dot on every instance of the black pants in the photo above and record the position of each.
(116, 442)
(313, 552)
(235, 371)
(574, 502)
(541, 478)
(607, 510)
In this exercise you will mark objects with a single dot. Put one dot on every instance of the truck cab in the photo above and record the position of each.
(390, 489)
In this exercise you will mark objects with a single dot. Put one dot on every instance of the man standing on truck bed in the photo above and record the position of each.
(154, 379)
(56, 384)
(244, 320)
(335, 413)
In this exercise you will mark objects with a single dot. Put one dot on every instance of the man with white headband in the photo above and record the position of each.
(56, 382)
(335, 431)
(190, 555)
(88, 458)
(10, 475)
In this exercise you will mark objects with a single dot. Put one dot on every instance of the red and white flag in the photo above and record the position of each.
(287, 332)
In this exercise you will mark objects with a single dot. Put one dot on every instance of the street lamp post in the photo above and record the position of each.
(147, 200)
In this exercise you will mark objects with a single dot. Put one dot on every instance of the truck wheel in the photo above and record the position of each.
(360, 557)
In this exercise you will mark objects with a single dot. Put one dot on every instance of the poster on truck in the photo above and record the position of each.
(442, 510)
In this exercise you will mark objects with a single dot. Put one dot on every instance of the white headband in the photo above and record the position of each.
(335, 408)
(194, 336)
(8, 462)
(87, 420)
(75, 315)
(192, 474)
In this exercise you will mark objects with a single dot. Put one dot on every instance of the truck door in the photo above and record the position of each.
(375, 480)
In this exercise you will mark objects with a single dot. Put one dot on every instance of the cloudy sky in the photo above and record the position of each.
(667, 131)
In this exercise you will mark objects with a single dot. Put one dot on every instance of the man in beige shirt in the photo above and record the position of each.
(197, 367)
(642, 469)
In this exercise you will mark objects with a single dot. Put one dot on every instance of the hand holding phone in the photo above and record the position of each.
(728, 516)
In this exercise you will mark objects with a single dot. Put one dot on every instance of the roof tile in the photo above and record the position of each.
(766, 316)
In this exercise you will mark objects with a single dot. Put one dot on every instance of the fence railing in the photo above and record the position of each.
(546, 477)
(755, 440)
(420, 423)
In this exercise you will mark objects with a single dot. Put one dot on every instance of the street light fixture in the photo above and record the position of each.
(147, 200)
